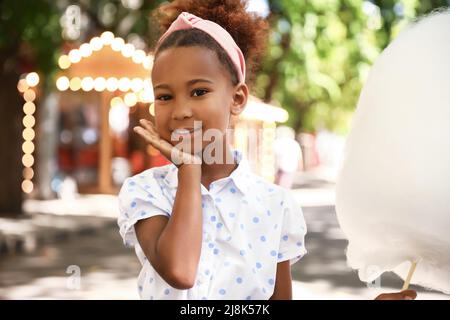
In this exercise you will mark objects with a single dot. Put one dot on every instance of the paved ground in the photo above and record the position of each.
(109, 271)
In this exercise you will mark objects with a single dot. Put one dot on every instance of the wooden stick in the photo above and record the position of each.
(410, 274)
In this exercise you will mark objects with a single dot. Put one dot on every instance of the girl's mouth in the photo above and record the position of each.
(185, 131)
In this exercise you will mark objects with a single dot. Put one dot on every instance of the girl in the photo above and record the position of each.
(202, 229)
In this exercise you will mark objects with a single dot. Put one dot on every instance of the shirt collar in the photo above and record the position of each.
(240, 175)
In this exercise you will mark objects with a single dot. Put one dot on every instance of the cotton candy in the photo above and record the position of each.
(393, 187)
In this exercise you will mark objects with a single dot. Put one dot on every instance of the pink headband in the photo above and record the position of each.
(187, 20)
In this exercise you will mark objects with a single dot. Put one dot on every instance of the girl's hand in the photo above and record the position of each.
(148, 132)
(402, 295)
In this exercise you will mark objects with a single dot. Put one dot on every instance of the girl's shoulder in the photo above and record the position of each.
(148, 178)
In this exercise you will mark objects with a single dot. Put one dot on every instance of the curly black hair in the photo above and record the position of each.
(249, 31)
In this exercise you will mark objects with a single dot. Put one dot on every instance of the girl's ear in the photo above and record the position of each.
(240, 97)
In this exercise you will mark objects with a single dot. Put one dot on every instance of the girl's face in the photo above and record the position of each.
(190, 84)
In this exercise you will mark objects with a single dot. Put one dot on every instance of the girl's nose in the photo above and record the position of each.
(181, 111)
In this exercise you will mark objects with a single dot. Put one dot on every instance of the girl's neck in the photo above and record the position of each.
(215, 171)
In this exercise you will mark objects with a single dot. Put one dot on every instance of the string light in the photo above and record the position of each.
(87, 84)
(117, 44)
(151, 109)
(27, 186)
(85, 50)
(28, 121)
(29, 107)
(124, 84)
(75, 84)
(116, 101)
(22, 85)
(64, 62)
(112, 84)
(26, 85)
(96, 44)
(29, 95)
(75, 56)
(107, 37)
(28, 173)
(32, 79)
(99, 84)
(62, 83)
(130, 99)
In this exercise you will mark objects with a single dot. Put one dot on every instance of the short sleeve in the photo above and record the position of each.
(293, 231)
(139, 198)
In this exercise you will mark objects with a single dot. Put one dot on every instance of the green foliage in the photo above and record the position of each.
(30, 29)
(31, 32)
(321, 52)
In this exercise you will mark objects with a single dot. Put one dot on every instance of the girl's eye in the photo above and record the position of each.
(201, 91)
(163, 97)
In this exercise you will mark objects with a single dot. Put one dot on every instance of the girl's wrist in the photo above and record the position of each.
(190, 169)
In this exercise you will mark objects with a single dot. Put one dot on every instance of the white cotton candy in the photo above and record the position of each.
(393, 189)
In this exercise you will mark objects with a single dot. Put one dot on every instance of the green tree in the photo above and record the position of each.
(31, 40)
(321, 51)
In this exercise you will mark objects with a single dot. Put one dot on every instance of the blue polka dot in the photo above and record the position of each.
(166, 292)
(280, 255)
(242, 252)
(132, 183)
(285, 237)
(264, 290)
(133, 204)
(276, 226)
(263, 238)
(255, 219)
(271, 282)
(248, 297)
(207, 271)
(268, 212)
(143, 213)
(203, 205)
(232, 190)
(232, 214)
(281, 203)
(151, 280)
(299, 244)
(211, 245)
(218, 199)
(239, 280)
(258, 265)
(213, 218)
(140, 288)
(216, 251)
(222, 291)
(219, 225)
(204, 298)
(273, 253)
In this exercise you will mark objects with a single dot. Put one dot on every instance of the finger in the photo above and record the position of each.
(146, 135)
(149, 126)
(409, 294)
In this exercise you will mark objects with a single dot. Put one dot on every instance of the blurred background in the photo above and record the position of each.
(75, 79)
